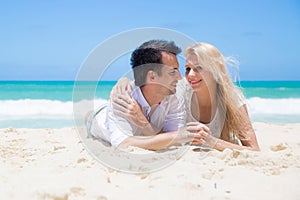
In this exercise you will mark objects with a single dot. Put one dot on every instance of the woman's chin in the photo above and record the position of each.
(196, 85)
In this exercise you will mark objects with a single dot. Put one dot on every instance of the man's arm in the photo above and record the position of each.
(160, 141)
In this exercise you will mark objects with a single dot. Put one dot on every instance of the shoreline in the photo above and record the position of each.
(54, 164)
(9, 128)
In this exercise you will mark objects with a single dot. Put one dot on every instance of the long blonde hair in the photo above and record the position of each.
(227, 94)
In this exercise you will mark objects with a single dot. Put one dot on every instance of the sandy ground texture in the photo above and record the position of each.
(57, 164)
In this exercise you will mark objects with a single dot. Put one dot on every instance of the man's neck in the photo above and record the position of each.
(151, 95)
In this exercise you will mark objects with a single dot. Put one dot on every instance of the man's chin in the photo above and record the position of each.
(170, 91)
(173, 91)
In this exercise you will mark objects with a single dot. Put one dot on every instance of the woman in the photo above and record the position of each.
(213, 101)
(216, 111)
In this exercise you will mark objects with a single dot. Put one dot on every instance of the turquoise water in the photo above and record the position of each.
(39, 104)
(271, 89)
(63, 90)
(51, 90)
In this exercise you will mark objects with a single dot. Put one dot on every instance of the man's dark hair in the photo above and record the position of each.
(161, 45)
(148, 57)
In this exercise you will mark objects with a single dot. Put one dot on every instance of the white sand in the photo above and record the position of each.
(53, 164)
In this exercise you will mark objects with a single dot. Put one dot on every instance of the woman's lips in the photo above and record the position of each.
(195, 82)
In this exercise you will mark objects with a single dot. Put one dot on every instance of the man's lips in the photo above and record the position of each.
(174, 84)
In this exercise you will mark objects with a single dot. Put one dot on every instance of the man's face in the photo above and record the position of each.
(169, 74)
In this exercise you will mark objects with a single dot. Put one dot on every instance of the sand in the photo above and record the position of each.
(55, 164)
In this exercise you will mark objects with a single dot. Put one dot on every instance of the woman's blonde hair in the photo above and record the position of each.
(228, 96)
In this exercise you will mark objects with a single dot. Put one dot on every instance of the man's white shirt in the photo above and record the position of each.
(168, 116)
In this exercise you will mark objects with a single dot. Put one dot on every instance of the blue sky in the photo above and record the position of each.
(49, 40)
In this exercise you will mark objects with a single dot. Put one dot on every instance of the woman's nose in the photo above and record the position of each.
(192, 72)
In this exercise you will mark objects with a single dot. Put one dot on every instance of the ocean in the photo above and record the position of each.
(49, 104)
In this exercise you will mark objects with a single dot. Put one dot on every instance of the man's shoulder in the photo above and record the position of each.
(171, 100)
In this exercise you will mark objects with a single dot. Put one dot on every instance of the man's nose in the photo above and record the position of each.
(179, 77)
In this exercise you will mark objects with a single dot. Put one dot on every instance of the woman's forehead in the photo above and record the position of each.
(192, 59)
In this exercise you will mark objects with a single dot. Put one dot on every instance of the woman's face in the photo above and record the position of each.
(198, 77)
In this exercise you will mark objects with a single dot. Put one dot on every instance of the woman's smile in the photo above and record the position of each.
(195, 83)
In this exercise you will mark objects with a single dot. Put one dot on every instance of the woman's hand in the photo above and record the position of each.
(123, 87)
(201, 134)
(128, 108)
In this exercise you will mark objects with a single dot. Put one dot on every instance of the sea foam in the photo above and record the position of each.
(31, 108)
(287, 106)
(41, 108)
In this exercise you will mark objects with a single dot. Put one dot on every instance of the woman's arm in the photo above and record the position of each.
(127, 107)
(249, 142)
(123, 86)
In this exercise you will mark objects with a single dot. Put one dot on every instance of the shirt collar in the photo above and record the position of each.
(139, 97)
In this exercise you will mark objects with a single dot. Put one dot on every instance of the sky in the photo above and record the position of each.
(50, 40)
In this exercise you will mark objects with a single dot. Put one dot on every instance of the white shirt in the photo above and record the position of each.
(168, 116)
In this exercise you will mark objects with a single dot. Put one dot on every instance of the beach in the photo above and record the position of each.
(53, 163)
(61, 60)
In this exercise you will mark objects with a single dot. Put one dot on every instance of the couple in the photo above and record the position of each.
(206, 110)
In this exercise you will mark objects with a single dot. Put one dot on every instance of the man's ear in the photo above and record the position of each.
(151, 75)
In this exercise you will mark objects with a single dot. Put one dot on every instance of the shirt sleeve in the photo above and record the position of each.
(176, 116)
(119, 128)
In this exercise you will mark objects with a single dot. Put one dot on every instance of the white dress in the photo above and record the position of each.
(185, 92)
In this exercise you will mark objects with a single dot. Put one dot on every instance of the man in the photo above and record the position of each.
(156, 74)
